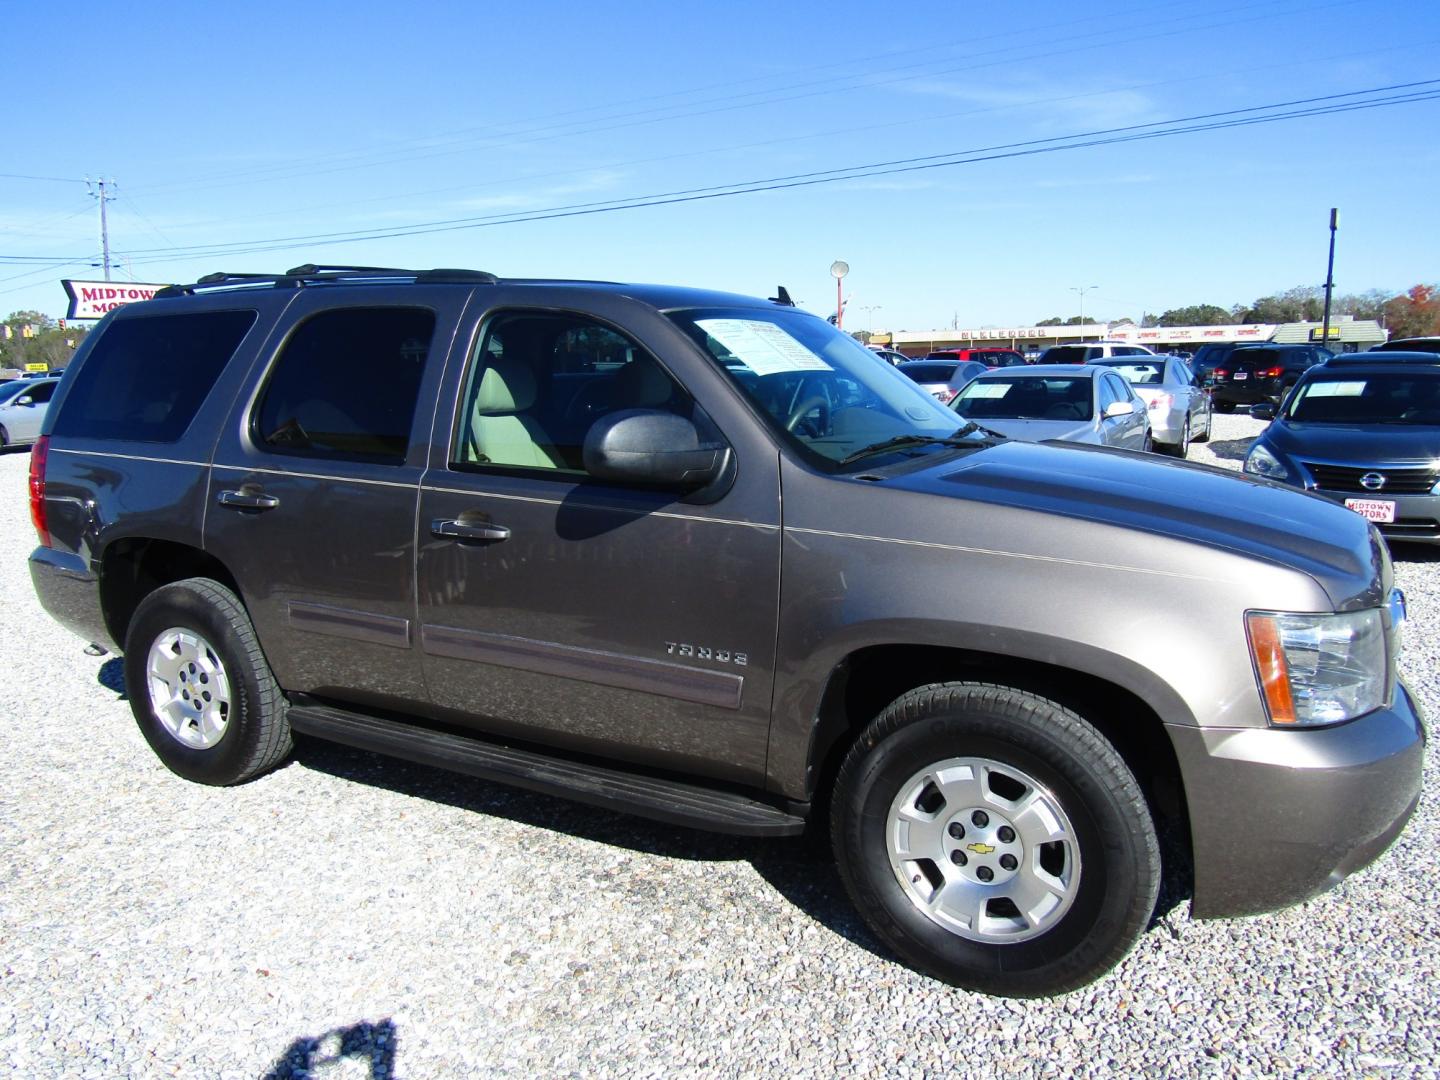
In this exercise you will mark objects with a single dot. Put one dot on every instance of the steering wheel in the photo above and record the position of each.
(810, 394)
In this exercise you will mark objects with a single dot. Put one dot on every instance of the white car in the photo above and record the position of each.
(1179, 408)
(23, 403)
(1091, 350)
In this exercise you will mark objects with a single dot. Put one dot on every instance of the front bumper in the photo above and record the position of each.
(69, 590)
(1417, 517)
(1278, 816)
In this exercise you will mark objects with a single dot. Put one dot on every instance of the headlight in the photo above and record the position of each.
(1318, 669)
(1262, 462)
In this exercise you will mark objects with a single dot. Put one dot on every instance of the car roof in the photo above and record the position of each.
(662, 297)
(1085, 371)
(1373, 358)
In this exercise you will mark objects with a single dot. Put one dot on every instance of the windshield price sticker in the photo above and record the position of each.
(1381, 511)
(1336, 389)
(763, 347)
(987, 390)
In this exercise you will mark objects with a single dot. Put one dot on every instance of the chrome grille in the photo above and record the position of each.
(1399, 480)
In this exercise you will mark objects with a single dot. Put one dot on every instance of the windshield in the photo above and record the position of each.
(1369, 398)
(825, 393)
(1026, 397)
(925, 372)
(1136, 372)
(1069, 354)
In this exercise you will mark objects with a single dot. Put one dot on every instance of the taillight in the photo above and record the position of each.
(1272, 373)
(1222, 373)
(1161, 401)
(946, 396)
(37, 489)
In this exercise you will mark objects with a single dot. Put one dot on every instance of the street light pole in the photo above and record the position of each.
(1082, 290)
(1329, 278)
(838, 269)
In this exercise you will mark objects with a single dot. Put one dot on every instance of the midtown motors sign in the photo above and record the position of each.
(92, 299)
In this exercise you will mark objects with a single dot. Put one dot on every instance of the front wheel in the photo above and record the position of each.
(995, 840)
(200, 687)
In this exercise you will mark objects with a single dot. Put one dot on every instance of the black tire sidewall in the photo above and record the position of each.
(181, 606)
(1102, 921)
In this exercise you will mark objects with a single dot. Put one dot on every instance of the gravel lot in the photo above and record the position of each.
(351, 916)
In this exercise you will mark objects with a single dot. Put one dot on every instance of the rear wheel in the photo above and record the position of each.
(1182, 448)
(199, 686)
(995, 840)
(4, 438)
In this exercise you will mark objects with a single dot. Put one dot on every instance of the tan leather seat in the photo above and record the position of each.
(501, 431)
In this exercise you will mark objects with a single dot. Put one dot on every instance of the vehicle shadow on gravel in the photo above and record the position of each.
(801, 869)
(112, 676)
(373, 1044)
(1231, 449)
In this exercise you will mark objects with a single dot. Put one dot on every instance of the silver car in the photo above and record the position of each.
(942, 379)
(1085, 404)
(23, 403)
(1179, 409)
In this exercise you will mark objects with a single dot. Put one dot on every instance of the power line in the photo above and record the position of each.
(1127, 133)
(46, 179)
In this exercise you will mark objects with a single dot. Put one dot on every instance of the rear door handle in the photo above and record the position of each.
(482, 531)
(248, 498)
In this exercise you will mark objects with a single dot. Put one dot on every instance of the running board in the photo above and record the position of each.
(669, 801)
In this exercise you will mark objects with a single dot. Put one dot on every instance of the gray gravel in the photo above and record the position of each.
(349, 916)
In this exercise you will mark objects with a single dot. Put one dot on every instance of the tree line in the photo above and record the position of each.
(30, 337)
(1412, 313)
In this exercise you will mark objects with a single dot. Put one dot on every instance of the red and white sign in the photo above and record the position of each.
(1379, 510)
(92, 299)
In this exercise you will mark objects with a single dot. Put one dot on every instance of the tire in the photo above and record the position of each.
(1098, 879)
(194, 635)
(1148, 446)
(4, 438)
(1182, 448)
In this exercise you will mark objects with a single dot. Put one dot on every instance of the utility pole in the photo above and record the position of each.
(104, 196)
(1329, 279)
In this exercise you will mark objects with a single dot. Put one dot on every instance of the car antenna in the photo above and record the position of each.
(782, 297)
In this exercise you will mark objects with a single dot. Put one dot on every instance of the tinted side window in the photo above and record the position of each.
(345, 385)
(41, 392)
(147, 377)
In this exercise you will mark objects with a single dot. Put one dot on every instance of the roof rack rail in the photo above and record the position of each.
(311, 273)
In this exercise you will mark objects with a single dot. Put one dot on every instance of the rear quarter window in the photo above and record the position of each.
(146, 378)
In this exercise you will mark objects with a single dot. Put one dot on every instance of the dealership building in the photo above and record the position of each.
(1346, 335)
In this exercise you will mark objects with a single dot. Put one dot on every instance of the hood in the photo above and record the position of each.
(1184, 501)
(1369, 444)
(1040, 430)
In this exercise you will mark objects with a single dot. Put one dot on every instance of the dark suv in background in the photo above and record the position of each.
(1260, 373)
(700, 557)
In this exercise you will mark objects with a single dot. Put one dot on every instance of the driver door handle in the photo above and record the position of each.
(246, 499)
(481, 531)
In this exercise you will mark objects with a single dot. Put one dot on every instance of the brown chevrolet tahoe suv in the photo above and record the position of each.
(698, 557)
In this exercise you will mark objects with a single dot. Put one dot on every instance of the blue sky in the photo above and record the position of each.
(248, 124)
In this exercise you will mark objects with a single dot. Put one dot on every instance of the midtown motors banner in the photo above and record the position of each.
(92, 299)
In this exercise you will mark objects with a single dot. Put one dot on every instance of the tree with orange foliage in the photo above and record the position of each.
(1415, 313)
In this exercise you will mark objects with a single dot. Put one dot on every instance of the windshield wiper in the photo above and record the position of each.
(959, 438)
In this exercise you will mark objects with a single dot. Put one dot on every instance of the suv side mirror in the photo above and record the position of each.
(644, 446)
(1263, 411)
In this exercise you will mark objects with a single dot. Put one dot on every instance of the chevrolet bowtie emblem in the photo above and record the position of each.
(980, 849)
